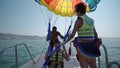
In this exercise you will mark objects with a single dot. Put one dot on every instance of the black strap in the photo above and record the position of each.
(56, 60)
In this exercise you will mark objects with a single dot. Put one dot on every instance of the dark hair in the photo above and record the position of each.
(80, 8)
(54, 27)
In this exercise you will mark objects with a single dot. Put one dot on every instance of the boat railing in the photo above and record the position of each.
(112, 63)
(108, 64)
(106, 56)
(16, 52)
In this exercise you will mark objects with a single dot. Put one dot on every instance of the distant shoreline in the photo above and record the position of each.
(5, 36)
(8, 36)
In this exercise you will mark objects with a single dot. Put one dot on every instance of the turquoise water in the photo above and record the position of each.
(36, 46)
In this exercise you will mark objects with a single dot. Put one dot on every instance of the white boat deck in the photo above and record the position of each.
(72, 63)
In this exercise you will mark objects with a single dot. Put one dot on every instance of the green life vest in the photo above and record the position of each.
(56, 60)
(87, 28)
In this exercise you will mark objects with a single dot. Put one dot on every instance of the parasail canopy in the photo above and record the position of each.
(67, 7)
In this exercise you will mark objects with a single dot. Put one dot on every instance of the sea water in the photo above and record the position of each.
(39, 46)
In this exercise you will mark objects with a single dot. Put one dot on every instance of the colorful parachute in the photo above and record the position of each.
(66, 7)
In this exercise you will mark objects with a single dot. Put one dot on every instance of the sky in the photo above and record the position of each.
(26, 17)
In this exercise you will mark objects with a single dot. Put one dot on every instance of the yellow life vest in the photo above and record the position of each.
(87, 28)
(56, 60)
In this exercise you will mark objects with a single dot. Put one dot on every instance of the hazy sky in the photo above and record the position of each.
(26, 17)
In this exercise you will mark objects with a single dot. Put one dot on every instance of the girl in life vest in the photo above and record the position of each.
(57, 58)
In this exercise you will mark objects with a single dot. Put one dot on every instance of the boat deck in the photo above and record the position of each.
(72, 63)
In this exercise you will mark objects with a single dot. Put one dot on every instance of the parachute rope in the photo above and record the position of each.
(54, 23)
(43, 15)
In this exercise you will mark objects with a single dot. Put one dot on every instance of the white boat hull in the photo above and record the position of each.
(72, 63)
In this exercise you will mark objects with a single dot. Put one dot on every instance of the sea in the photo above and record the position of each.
(39, 47)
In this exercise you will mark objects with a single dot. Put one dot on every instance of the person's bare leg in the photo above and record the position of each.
(92, 63)
(80, 57)
(82, 60)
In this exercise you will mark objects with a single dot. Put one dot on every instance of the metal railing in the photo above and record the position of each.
(108, 64)
(16, 56)
(111, 63)
(106, 57)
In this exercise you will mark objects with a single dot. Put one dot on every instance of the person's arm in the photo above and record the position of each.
(60, 35)
(77, 25)
(65, 54)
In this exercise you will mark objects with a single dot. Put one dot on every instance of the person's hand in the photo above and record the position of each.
(99, 42)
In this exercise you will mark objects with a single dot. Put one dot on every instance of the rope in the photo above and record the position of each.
(65, 25)
(43, 15)
(42, 51)
(55, 20)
